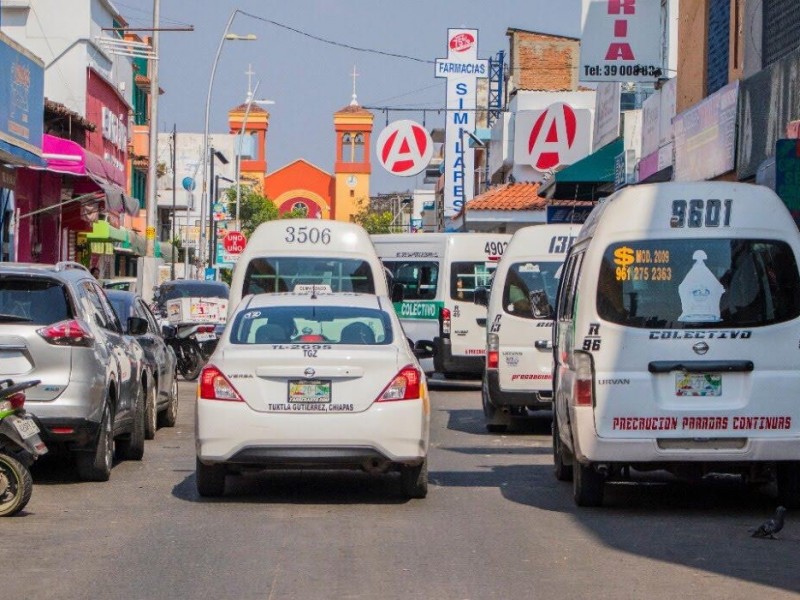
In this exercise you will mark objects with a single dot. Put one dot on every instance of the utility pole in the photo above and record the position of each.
(174, 181)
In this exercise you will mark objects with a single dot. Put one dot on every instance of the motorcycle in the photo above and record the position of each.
(193, 344)
(20, 446)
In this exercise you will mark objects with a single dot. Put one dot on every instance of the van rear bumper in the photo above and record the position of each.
(446, 363)
(500, 398)
(588, 447)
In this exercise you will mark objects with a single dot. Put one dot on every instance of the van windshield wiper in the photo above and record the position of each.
(4, 318)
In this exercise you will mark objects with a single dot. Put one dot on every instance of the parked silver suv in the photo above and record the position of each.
(57, 326)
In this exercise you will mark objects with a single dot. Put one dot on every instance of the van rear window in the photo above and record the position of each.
(526, 277)
(269, 275)
(689, 283)
(418, 278)
(466, 276)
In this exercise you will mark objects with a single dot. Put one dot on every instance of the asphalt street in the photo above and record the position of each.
(495, 525)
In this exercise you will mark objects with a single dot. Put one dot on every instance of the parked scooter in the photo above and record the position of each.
(20, 446)
(193, 344)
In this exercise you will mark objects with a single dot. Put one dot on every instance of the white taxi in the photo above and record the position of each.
(313, 381)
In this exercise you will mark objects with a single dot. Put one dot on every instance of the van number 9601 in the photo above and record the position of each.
(701, 213)
(305, 234)
(495, 248)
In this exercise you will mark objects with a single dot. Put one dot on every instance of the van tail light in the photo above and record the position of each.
(205, 328)
(215, 386)
(584, 379)
(66, 333)
(492, 351)
(406, 385)
(444, 322)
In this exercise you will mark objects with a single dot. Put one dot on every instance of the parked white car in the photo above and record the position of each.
(313, 381)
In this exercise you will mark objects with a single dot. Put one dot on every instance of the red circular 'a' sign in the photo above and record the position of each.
(552, 136)
(234, 242)
(404, 148)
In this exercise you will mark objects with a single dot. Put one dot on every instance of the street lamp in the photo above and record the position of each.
(250, 101)
(226, 35)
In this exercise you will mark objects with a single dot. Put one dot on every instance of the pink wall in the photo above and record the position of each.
(34, 190)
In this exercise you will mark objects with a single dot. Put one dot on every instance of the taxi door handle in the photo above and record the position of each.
(543, 345)
(481, 322)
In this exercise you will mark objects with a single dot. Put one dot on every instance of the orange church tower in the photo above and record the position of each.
(352, 169)
(253, 145)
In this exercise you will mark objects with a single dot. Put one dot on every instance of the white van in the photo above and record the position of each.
(466, 261)
(519, 349)
(298, 255)
(677, 340)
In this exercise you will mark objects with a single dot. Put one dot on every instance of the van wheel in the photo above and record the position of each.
(587, 485)
(562, 467)
(788, 480)
(496, 421)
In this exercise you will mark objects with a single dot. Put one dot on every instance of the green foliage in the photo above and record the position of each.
(254, 208)
(372, 220)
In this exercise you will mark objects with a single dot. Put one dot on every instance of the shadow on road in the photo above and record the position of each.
(702, 525)
(301, 487)
(473, 421)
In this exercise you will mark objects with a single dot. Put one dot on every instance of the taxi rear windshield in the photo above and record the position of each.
(269, 275)
(466, 276)
(312, 325)
(418, 278)
(691, 283)
(526, 281)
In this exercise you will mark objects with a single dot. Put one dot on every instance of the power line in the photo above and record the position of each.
(334, 43)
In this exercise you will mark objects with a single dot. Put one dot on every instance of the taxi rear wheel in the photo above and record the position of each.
(210, 479)
(414, 480)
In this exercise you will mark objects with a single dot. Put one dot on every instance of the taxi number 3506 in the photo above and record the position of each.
(701, 213)
(305, 234)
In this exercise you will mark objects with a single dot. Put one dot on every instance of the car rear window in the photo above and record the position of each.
(524, 278)
(690, 283)
(33, 301)
(312, 324)
(466, 276)
(268, 275)
(419, 279)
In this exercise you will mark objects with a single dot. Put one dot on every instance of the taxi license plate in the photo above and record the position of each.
(26, 428)
(698, 384)
(205, 337)
(303, 391)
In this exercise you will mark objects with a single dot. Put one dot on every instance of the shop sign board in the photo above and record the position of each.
(404, 148)
(21, 100)
(705, 136)
(621, 41)
(461, 68)
(547, 139)
(606, 114)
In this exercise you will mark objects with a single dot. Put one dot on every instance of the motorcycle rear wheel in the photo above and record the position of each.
(16, 485)
(192, 363)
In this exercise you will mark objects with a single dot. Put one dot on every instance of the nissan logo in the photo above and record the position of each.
(309, 372)
(700, 348)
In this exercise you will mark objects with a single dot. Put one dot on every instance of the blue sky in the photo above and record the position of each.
(310, 80)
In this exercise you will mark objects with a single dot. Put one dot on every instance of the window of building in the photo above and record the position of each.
(781, 29)
(718, 56)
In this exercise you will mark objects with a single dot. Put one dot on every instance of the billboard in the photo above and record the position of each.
(552, 137)
(21, 101)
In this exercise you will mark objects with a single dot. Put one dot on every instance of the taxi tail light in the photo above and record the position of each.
(215, 386)
(584, 379)
(406, 385)
(492, 351)
(444, 322)
(66, 333)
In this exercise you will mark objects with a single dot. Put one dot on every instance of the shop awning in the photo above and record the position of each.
(115, 239)
(69, 158)
(585, 179)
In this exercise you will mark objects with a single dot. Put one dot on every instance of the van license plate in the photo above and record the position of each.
(698, 384)
(305, 391)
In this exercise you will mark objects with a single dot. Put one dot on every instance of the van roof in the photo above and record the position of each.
(647, 209)
(347, 238)
(535, 240)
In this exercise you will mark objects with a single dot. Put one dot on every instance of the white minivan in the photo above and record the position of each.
(677, 339)
(521, 310)
(439, 273)
(301, 255)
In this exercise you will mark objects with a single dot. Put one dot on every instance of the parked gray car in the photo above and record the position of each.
(57, 326)
(161, 408)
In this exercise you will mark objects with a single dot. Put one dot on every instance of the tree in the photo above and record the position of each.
(255, 209)
(374, 221)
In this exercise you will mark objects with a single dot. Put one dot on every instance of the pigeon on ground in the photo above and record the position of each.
(769, 528)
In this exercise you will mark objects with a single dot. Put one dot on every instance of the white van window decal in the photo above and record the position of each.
(559, 244)
(715, 334)
(495, 326)
(700, 293)
(593, 340)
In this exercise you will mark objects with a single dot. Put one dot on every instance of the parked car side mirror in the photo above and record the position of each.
(423, 349)
(481, 296)
(169, 331)
(398, 292)
(137, 326)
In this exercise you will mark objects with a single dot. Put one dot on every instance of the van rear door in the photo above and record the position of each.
(695, 338)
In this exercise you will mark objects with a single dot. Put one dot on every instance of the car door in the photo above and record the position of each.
(153, 344)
